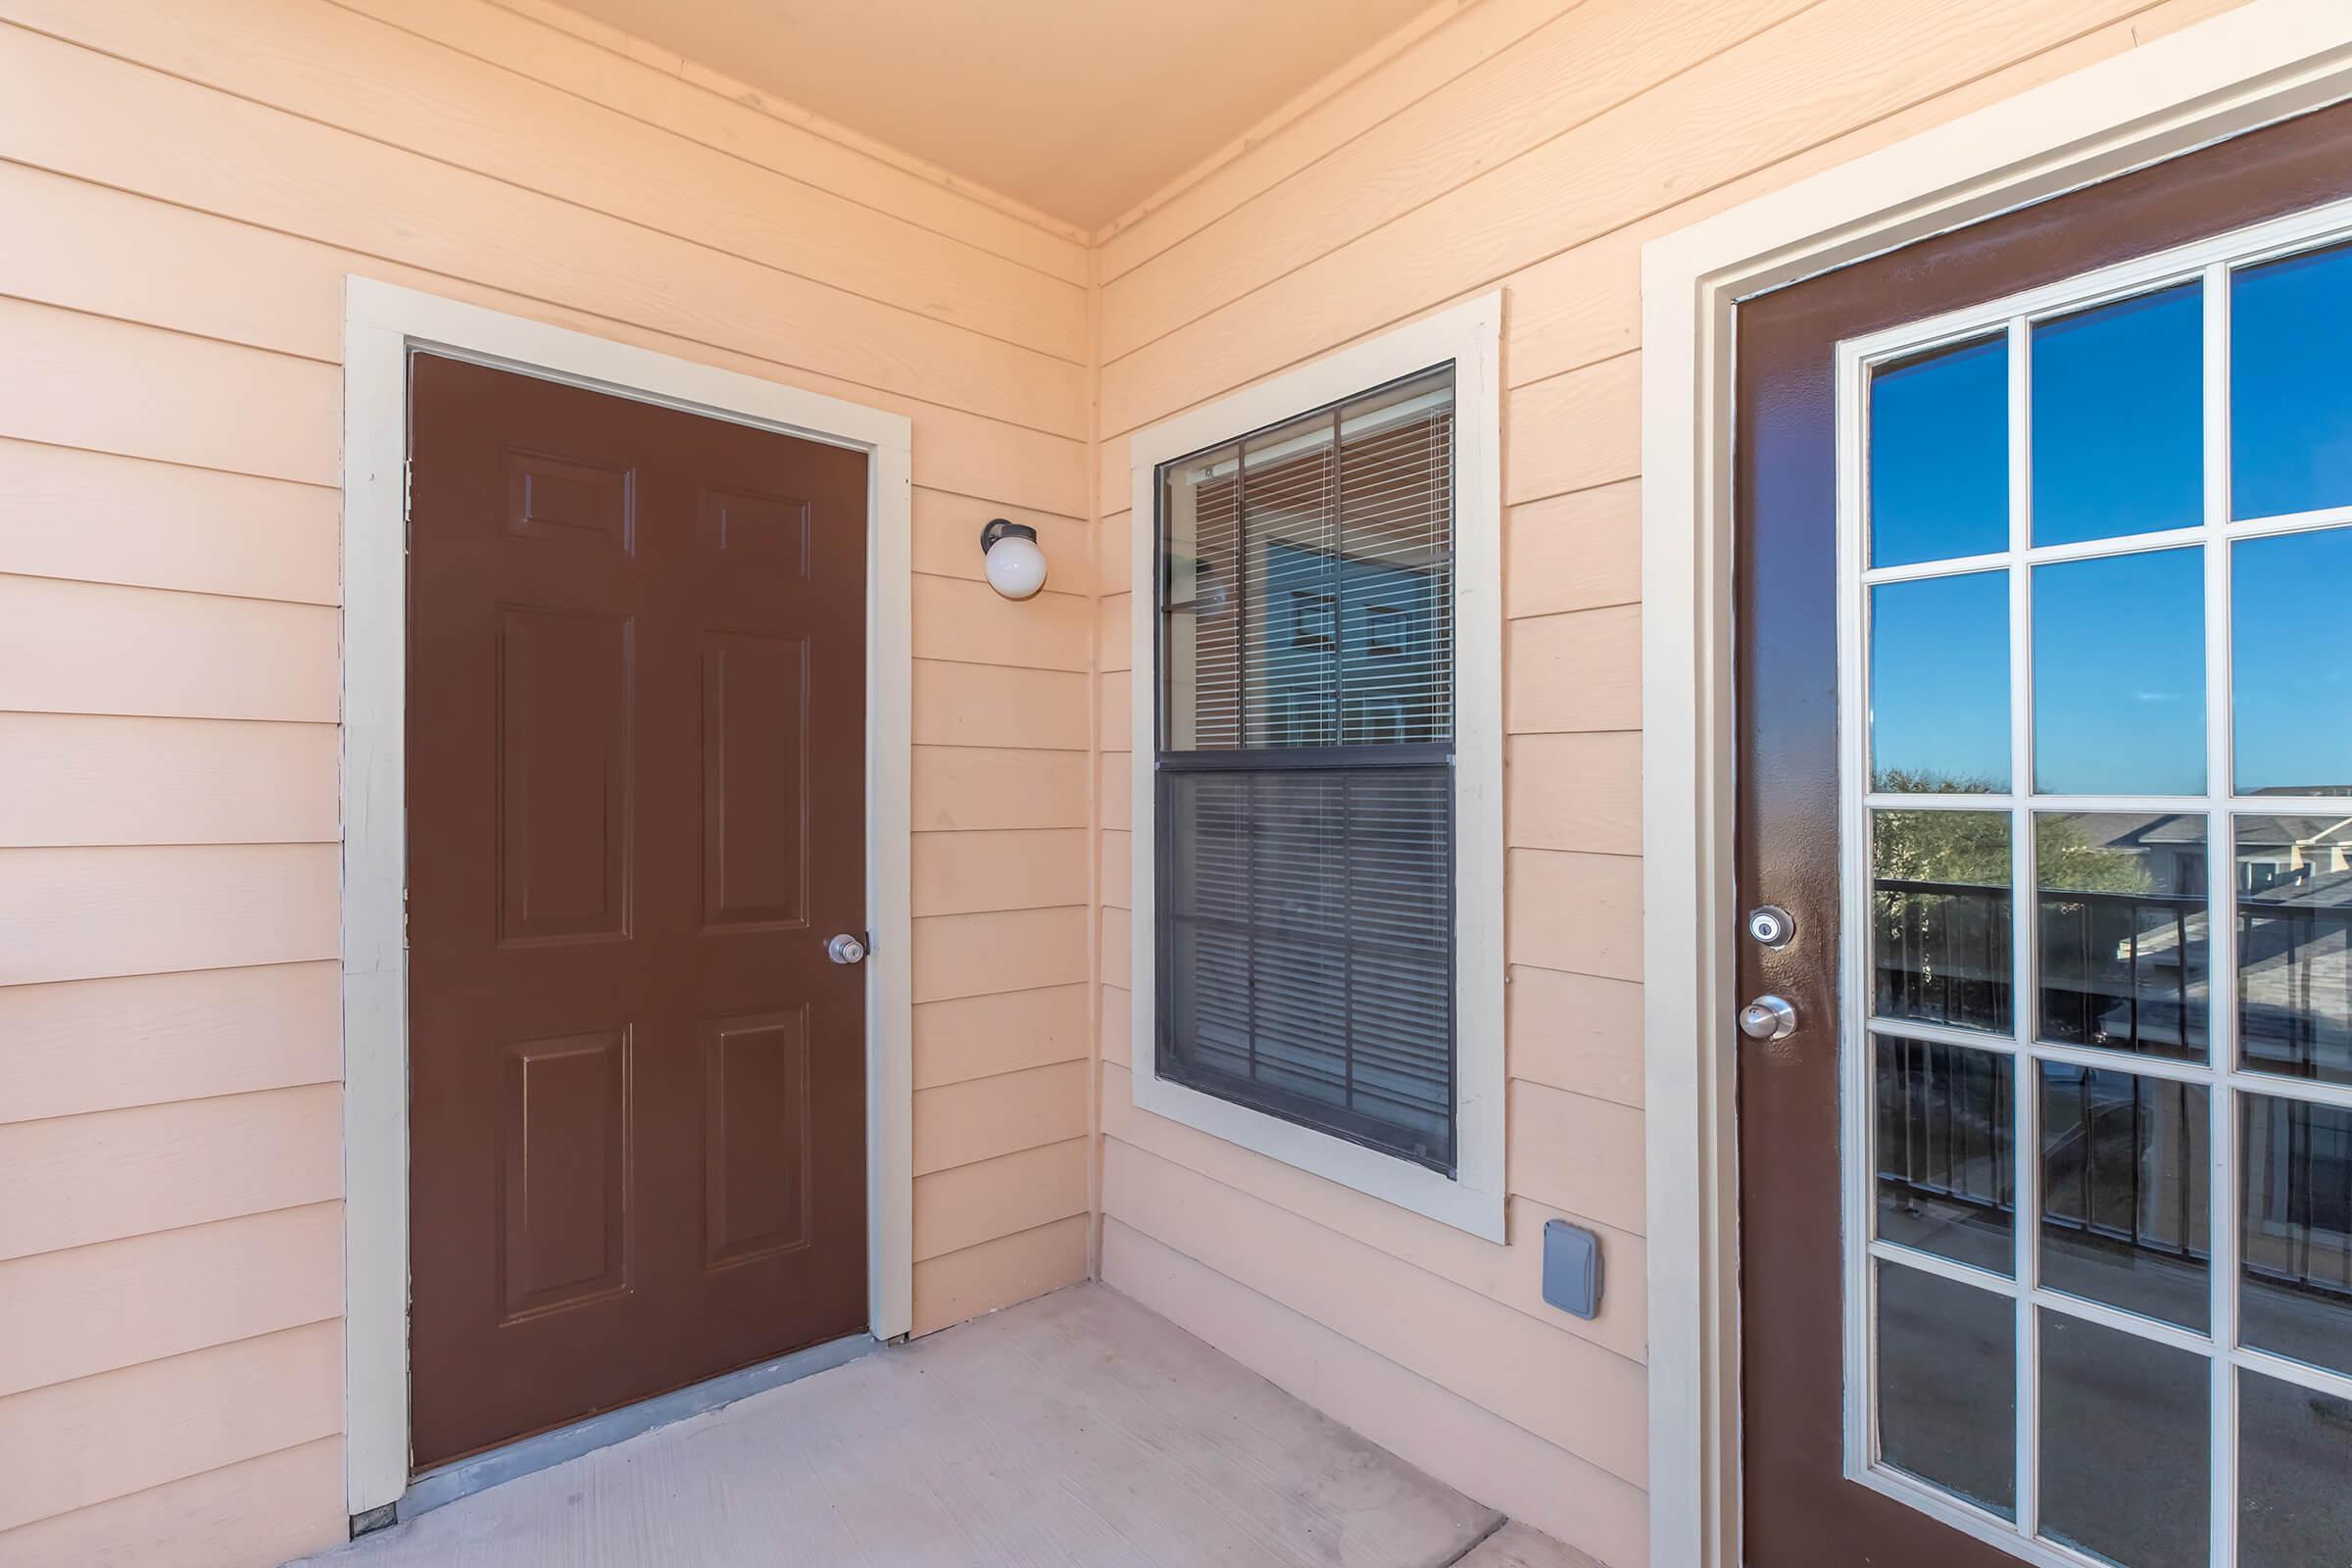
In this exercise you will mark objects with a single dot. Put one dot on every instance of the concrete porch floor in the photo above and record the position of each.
(1079, 1428)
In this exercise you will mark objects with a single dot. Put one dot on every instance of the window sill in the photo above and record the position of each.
(1414, 1188)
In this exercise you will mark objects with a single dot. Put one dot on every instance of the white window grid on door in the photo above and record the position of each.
(2020, 1051)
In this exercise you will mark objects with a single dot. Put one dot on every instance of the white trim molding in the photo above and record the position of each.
(2266, 60)
(1469, 335)
(382, 326)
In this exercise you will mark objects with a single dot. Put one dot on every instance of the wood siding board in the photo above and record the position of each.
(85, 779)
(968, 1204)
(1000, 707)
(969, 622)
(978, 872)
(1576, 671)
(1117, 560)
(1118, 803)
(195, 146)
(1117, 953)
(1115, 716)
(1118, 868)
(94, 517)
(257, 288)
(1577, 1032)
(148, 1040)
(77, 1444)
(1117, 1049)
(1581, 551)
(267, 1509)
(1575, 431)
(93, 648)
(1833, 68)
(1574, 911)
(1578, 1152)
(979, 1037)
(79, 381)
(1294, 138)
(88, 913)
(962, 1123)
(100, 1177)
(394, 84)
(1594, 57)
(91, 1309)
(1574, 792)
(960, 1285)
(254, 287)
(965, 788)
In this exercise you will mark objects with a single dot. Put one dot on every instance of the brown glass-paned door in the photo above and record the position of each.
(636, 812)
(2045, 1235)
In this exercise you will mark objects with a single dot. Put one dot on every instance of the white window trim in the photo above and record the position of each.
(2266, 60)
(1470, 335)
(382, 323)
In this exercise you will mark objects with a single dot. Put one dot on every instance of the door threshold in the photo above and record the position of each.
(465, 1477)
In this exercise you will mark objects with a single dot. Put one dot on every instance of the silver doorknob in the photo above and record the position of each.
(1768, 1019)
(845, 948)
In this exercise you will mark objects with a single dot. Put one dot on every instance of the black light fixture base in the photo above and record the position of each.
(996, 529)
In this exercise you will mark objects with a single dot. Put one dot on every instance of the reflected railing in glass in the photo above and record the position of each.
(1940, 938)
(2294, 946)
(2121, 933)
(2295, 1230)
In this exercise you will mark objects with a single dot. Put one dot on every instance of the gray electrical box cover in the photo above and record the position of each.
(1570, 1268)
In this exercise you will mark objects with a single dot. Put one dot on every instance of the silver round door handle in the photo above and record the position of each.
(845, 948)
(1768, 1019)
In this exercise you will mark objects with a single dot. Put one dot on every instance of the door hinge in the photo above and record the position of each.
(407, 499)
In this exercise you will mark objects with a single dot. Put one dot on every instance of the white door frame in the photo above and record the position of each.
(382, 323)
(2267, 60)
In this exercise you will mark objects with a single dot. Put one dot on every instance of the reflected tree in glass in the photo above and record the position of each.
(1940, 907)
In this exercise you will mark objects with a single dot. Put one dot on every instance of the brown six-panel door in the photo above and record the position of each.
(636, 812)
(1798, 1510)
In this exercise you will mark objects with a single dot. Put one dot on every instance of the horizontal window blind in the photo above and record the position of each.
(1305, 770)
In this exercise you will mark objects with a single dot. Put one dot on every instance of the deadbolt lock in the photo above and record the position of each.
(1771, 925)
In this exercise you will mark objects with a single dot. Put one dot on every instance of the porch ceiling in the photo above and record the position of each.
(1078, 108)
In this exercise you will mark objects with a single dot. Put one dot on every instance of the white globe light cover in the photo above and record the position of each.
(1016, 566)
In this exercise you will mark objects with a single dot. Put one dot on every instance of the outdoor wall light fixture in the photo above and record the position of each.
(1016, 568)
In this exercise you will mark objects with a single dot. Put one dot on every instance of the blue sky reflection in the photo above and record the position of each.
(2118, 674)
(1940, 684)
(2291, 669)
(2291, 403)
(1939, 454)
(2118, 418)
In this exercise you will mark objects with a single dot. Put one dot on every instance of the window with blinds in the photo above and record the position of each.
(1304, 771)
